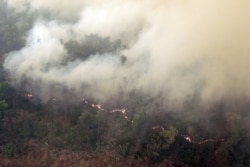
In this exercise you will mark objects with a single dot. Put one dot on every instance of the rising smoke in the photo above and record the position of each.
(177, 50)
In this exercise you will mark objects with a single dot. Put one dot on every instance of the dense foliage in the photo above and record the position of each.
(152, 136)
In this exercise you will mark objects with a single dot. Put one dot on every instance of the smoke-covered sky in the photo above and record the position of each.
(174, 49)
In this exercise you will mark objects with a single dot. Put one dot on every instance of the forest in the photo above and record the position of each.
(105, 113)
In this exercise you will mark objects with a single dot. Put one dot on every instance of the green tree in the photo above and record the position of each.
(13, 27)
(159, 140)
(10, 150)
(91, 45)
(90, 128)
(3, 106)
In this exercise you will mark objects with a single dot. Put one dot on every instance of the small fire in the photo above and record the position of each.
(84, 100)
(98, 106)
(29, 95)
(188, 139)
(122, 110)
(158, 127)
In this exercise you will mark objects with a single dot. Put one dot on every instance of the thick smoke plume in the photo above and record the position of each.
(177, 50)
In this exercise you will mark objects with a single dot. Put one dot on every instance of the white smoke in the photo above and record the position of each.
(174, 49)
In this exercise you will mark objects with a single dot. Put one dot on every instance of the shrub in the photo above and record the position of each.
(9, 150)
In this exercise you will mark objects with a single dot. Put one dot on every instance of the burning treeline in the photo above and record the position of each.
(182, 60)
